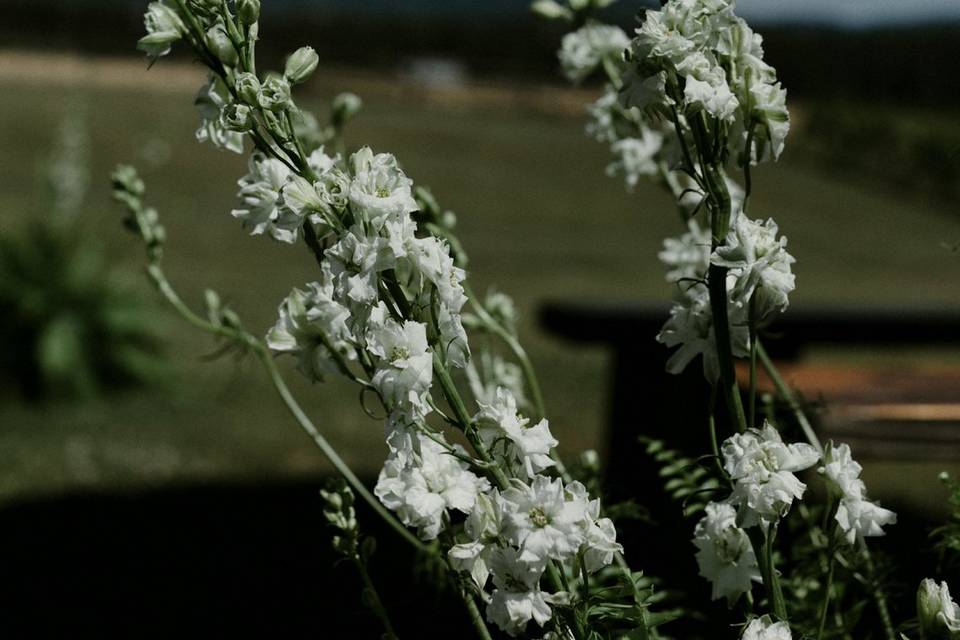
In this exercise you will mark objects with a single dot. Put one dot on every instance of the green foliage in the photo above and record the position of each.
(71, 327)
(691, 482)
(946, 538)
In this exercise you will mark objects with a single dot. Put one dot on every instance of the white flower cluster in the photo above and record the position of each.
(362, 209)
(856, 516)
(698, 56)
(760, 264)
(759, 275)
(513, 535)
(762, 468)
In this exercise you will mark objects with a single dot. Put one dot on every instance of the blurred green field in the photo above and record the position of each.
(537, 215)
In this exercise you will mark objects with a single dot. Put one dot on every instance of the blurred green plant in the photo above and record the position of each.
(70, 326)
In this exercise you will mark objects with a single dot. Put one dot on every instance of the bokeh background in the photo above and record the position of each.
(469, 97)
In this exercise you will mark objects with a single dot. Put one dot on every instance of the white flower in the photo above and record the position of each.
(687, 257)
(712, 94)
(770, 108)
(766, 629)
(583, 50)
(431, 258)
(600, 545)
(356, 260)
(420, 485)
(164, 27)
(405, 371)
(379, 189)
(262, 209)
(482, 528)
(936, 609)
(309, 320)
(724, 553)
(544, 520)
(454, 338)
(636, 156)
(321, 199)
(210, 102)
(760, 262)
(857, 517)
(691, 328)
(495, 372)
(762, 467)
(603, 116)
(529, 446)
(517, 599)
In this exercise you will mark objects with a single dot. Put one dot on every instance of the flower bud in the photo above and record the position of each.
(221, 46)
(274, 94)
(301, 65)
(248, 87)
(937, 613)
(237, 117)
(551, 10)
(248, 11)
(345, 106)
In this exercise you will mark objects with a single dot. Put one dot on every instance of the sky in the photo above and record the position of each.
(850, 13)
(844, 13)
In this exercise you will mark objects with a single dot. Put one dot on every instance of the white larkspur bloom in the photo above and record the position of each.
(210, 102)
(543, 519)
(759, 260)
(857, 516)
(482, 528)
(687, 257)
(517, 598)
(603, 115)
(454, 338)
(356, 261)
(495, 372)
(690, 327)
(379, 190)
(431, 258)
(422, 484)
(936, 609)
(600, 535)
(529, 445)
(724, 553)
(582, 51)
(762, 468)
(309, 321)
(712, 94)
(262, 209)
(164, 27)
(405, 372)
(321, 198)
(636, 157)
(766, 629)
(770, 109)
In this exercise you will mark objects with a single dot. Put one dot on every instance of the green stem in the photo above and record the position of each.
(752, 411)
(475, 618)
(330, 453)
(263, 354)
(879, 598)
(375, 602)
(831, 565)
(787, 394)
(773, 587)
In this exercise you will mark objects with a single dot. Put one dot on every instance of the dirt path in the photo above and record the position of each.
(127, 73)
